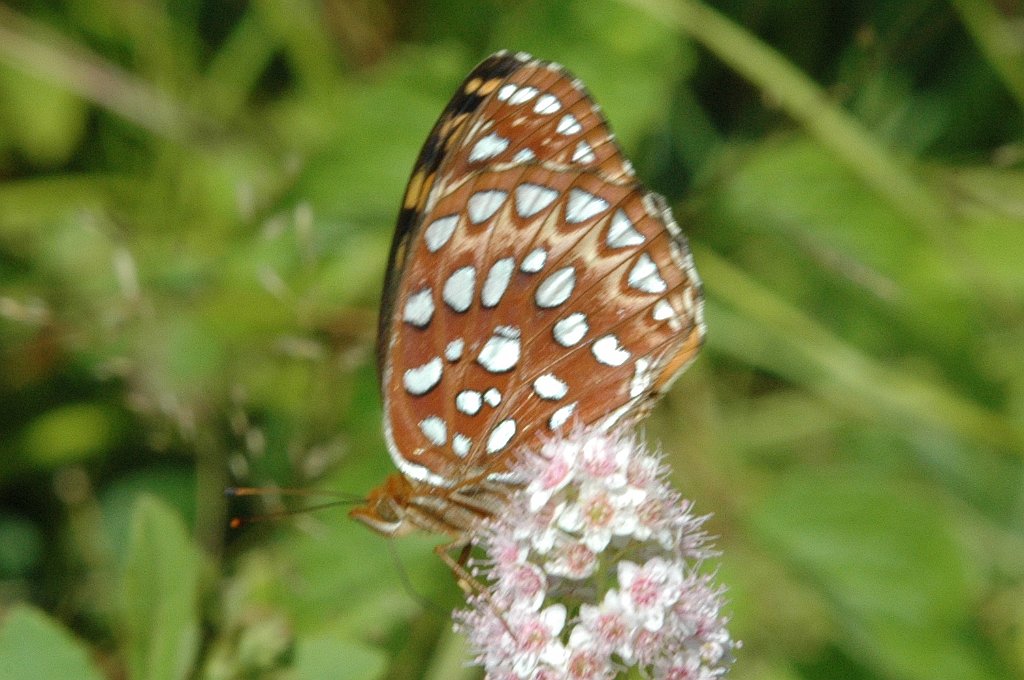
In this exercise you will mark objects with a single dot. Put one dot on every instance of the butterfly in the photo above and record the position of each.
(534, 285)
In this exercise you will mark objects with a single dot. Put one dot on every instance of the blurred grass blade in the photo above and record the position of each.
(808, 104)
(33, 48)
(28, 203)
(160, 605)
(772, 335)
(1002, 40)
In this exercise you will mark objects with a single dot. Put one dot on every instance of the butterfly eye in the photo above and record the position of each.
(534, 284)
(387, 511)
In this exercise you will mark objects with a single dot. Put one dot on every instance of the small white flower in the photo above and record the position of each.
(592, 516)
(525, 585)
(507, 553)
(555, 469)
(599, 514)
(680, 666)
(573, 560)
(537, 637)
(643, 471)
(609, 625)
(648, 645)
(586, 659)
(649, 590)
(537, 530)
(562, 601)
(608, 460)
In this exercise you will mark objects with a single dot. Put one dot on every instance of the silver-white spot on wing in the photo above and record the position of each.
(622, 233)
(556, 288)
(435, 430)
(570, 330)
(453, 350)
(559, 417)
(500, 353)
(663, 310)
(532, 198)
(468, 402)
(583, 153)
(488, 147)
(501, 435)
(482, 205)
(582, 206)
(523, 156)
(645, 277)
(422, 379)
(497, 281)
(459, 288)
(568, 125)
(419, 308)
(534, 261)
(643, 376)
(551, 387)
(608, 351)
(547, 104)
(439, 232)
(461, 444)
(523, 95)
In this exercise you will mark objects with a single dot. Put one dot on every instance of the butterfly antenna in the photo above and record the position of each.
(238, 522)
(343, 497)
(240, 491)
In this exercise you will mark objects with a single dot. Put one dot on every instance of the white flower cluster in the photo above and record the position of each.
(592, 569)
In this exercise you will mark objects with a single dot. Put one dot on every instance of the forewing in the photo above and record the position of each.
(510, 109)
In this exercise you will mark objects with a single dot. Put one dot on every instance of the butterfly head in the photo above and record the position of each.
(385, 509)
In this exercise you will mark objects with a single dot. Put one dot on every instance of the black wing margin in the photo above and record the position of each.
(466, 101)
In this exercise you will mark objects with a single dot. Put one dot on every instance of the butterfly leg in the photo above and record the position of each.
(466, 580)
(469, 584)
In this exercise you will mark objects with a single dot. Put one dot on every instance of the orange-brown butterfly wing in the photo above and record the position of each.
(533, 283)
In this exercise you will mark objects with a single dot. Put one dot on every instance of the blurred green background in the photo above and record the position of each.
(196, 201)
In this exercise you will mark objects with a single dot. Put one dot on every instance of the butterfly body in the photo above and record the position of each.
(534, 284)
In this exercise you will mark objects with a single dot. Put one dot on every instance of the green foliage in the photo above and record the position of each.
(32, 645)
(196, 202)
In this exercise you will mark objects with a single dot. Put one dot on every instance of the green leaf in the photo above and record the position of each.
(71, 433)
(886, 558)
(335, 658)
(46, 122)
(160, 595)
(21, 545)
(32, 645)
